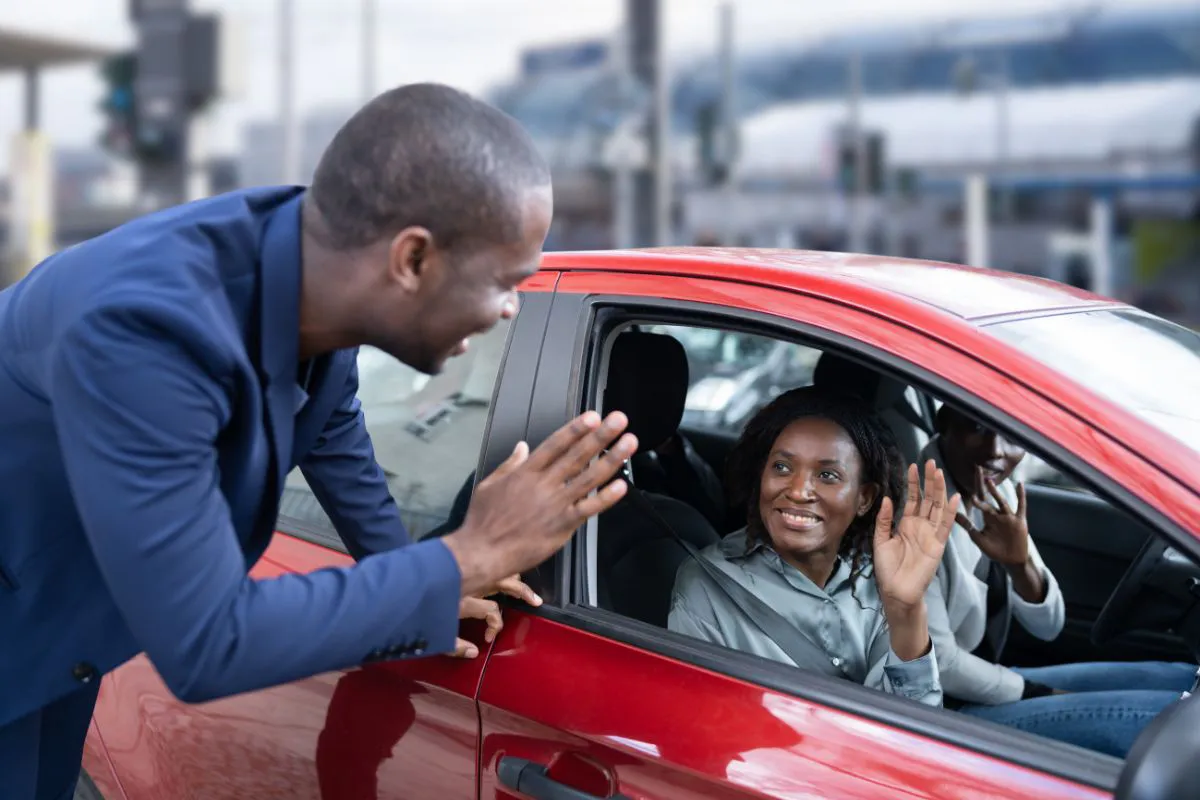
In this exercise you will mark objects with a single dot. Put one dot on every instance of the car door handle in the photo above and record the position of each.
(531, 779)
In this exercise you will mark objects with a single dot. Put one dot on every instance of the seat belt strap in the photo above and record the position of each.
(804, 652)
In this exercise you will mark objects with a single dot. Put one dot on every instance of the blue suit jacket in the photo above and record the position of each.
(149, 412)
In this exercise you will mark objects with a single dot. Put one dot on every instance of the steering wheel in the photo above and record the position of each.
(1114, 616)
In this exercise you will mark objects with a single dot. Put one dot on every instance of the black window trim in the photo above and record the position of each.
(507, 414)
(573, 319)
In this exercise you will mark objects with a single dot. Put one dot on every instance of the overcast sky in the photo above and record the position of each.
(472, 44)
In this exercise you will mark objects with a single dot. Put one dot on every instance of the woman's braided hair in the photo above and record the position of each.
(882, 463)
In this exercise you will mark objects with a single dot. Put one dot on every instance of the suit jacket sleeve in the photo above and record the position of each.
(138, 406)
(350, 485)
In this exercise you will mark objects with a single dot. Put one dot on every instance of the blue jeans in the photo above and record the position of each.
(1108, 706)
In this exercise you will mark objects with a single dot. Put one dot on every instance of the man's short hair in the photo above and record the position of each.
(427, 155)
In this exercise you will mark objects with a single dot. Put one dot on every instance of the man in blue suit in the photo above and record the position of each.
(158, 382)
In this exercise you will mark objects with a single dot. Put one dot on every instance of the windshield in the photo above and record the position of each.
(1142, 363)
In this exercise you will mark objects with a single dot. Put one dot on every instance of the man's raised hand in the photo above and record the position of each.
(528, 508)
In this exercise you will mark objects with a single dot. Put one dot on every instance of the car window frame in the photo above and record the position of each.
(507, 410)
(572, 347)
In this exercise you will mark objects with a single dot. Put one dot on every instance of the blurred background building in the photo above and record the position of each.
(1059, 140)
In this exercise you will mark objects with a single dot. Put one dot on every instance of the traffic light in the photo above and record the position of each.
(128, 133)
(708, 160)
(119, 105)
(908, 182)
(716, 146)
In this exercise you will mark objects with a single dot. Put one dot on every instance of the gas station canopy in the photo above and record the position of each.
(31, 215)
(20, 50)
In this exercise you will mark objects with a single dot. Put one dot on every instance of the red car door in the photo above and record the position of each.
(580, 702)
(403, 729)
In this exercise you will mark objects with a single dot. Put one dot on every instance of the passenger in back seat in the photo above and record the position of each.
(821, 477)
(991, 574)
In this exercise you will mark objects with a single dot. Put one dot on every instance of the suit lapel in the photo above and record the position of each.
(279, 304)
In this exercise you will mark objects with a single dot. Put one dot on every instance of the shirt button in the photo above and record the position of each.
(83, 672)
(837, 662)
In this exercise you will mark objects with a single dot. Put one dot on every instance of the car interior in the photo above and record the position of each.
(1129, 596)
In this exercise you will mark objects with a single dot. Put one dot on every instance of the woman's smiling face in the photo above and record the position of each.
(811, 489)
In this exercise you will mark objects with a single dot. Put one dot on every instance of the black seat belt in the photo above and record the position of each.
(999, 612)
(911, 416)
(804, 652)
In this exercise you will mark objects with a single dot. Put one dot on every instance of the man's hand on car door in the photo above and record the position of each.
(489, 611)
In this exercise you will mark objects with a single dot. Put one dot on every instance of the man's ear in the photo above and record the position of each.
(407, 256)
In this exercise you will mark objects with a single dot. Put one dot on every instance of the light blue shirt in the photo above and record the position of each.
(845, 618)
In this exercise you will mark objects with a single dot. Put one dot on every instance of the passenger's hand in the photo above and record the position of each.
(528, 508)
(1004, 537)
(907, 559)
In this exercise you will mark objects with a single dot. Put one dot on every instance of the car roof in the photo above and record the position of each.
(946, 301)
(970, 293)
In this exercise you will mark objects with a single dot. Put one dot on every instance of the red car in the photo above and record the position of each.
(590, 695)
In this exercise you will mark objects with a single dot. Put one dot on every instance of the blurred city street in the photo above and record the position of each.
(1043, 137)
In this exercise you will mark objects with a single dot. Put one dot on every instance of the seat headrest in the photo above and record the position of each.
(835, 372)
(648, 381)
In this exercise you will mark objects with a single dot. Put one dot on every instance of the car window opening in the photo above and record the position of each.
(689, 391)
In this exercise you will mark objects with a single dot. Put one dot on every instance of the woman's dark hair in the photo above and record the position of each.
(882, 463)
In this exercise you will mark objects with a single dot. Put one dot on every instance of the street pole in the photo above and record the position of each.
(624, 197)
(369, 39)
(729, 124)
(1002, 136)
(1101, 240)
(652, 188)
(975, 220)
(857, 226)
(196, 182)
(289, 144)
(662, 135)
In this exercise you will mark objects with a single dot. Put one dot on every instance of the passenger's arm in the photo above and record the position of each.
(683, 620)
(964, 675)
(342, 473)
(1037, 602)
(1005, 538)
(138, 407)
(692, 611)
(1044, 620)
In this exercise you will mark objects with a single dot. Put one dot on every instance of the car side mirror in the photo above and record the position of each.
(1164, 763)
